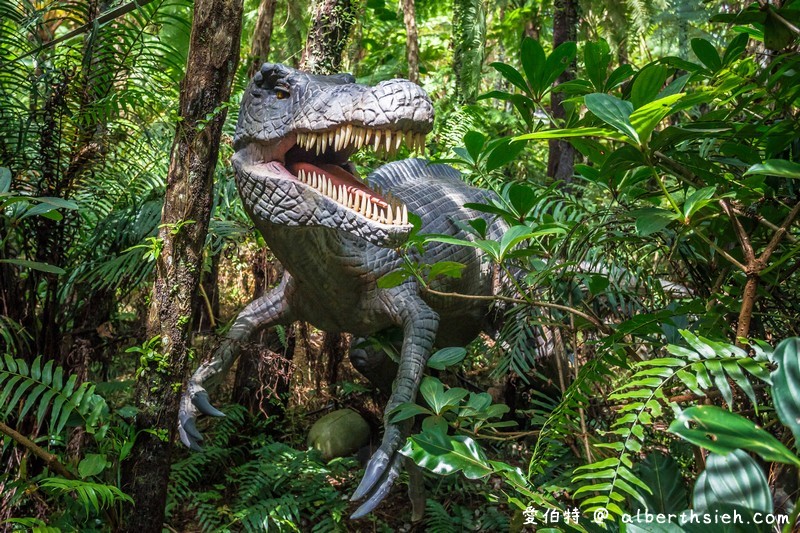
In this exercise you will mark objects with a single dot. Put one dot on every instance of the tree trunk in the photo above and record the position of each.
(330, 29)
(211, 65)
(412, 40)
(262, 36)
(469, 35)
(561, 162)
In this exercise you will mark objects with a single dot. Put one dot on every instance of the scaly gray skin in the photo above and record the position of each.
(336, 246)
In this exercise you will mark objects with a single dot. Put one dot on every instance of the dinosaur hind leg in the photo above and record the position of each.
(374, 363)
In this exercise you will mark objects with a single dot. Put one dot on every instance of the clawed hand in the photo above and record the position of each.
(194, 401)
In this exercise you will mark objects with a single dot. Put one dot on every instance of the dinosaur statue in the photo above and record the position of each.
(336, 236)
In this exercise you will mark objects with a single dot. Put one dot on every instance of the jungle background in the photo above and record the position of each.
(644, 153)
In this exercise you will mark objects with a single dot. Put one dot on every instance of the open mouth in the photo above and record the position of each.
(320, 160)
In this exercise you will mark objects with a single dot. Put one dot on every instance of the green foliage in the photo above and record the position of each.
(42, 390)
(93, 497)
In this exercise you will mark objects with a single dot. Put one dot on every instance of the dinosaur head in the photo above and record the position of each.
(296, 133)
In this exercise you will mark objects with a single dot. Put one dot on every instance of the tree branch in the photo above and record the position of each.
(780, 232)
(51, 460)
(599, 325)
(741, 234)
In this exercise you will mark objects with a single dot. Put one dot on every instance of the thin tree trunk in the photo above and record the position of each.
(211, 65)
(412, 40)
(330, 29)
(561, 162)
(262, 36)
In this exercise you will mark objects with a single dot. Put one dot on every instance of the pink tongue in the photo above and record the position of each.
(338, 176)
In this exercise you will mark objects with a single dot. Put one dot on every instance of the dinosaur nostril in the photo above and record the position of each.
(258, 78)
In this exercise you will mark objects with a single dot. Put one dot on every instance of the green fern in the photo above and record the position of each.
(44, 389)
(94, 497)
(706, 365)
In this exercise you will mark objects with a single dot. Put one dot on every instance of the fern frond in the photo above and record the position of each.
(700, 367)
(44, 387)
(94, 497)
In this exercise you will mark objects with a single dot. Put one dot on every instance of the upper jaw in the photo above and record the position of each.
(315, 166)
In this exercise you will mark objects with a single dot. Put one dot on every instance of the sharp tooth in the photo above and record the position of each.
(389, 215)
(377, 142)
(311, 140)
(348, 134)
(314, 180)
(357, 137)
(397, 140)
(342, 194)
(350, 200)
(301, 174)
(409, 140)
(398, 216)
(388, 139)
(332, 139)
(405, 215)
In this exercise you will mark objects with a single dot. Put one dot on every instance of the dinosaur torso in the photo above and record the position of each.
(337, 235)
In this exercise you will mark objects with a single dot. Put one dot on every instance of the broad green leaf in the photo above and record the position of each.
(450, 269)
(92, 464)
(35, 265)
(707, 53)
(662, 475)
(618, 77)
(533, 61)
(736, 48)
(597, 57)
(502, 153)
(557, 63)
(474, 142)
(722, 432)
(393, 279)
(697, 200)
(603, 133)
(5, 180)
(613, 111)
(447, 357)
(514, 236)
(447, 456)
(734, 479)
(407, 410)
(512, 75)
(786, 385)
(647, 84)
(646, 118)
(776, 167)
(522, 198)
(652, 219)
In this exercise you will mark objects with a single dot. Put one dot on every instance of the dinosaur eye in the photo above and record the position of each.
(280, 94)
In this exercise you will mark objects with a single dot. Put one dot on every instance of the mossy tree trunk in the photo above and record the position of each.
(412, 40)
(330, 29)
(211, 65)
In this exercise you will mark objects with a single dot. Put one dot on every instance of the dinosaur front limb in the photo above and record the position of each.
(420, 324)
(269, 310)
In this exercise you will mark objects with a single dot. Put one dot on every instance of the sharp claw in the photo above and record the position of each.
(200, 400)
(188, 441)
(381, 492)
(191, 430)
(375, 469)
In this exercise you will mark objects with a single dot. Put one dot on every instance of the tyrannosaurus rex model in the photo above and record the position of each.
(335, 235)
